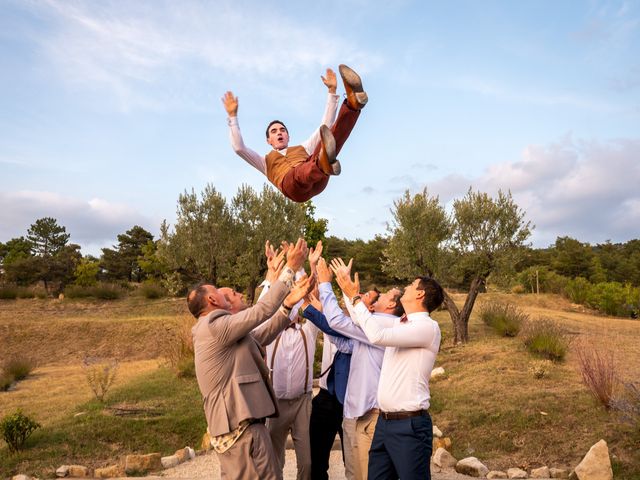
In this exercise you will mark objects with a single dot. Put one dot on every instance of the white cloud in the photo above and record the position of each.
(92, 224)
(584, 189)
(131, 48)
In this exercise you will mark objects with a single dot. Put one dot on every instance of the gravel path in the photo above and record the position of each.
(206, 467)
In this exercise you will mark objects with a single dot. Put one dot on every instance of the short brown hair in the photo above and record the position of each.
(434, 295)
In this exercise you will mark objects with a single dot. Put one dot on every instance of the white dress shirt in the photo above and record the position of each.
(366, 358)
(258, 161)
(411, 349)
(328, 352)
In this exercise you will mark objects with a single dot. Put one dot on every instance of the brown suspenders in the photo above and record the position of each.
(306, 358)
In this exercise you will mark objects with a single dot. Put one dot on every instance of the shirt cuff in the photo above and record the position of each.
(232, 121)
(286, 277)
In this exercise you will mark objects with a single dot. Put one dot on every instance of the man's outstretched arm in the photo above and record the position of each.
(330, 111)
(230, 103)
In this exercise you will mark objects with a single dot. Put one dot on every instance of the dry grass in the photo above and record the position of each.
(51, 393)
(599, 371)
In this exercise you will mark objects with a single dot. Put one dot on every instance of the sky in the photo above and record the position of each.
(110, 110)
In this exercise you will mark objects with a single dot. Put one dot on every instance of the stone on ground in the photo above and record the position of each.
(558, 473)
(112, 471)
(516, 473)
(496, 474)
(596, 464)
(472, 466)
(542, 472)
(138, 464)
(442, 458)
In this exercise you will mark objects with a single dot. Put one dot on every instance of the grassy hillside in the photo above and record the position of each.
(488, 402)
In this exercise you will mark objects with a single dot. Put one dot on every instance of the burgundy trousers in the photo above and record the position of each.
(307, 179)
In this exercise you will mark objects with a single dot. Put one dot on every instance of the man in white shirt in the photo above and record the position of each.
(403, 438)
(301, 172)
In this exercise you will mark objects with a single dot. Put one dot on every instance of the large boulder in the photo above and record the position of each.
(472, 466)
(140, 464)
(443, 459)
(516, 473)
(596, 464)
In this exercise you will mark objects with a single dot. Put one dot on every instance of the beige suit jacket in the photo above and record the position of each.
(232, 375)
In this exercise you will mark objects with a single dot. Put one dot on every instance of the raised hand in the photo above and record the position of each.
(297, 254)
(330, 80)
(350, 287)
(312, 299)
(275, 264)
(323, 271)
(230, 103)
(315, 255)
(300, 289)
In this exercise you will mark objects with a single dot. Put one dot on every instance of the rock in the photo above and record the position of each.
(516, 473)
(542, 472)
(61, 296)
(437, 372)
(107, 472)
(78, 471)
(21, 477)
(558, 473)
(444, 459)
(471, 466)
(596, 464)
(441, 443)
(496, 474)
(138, 464)
(186, 453)
(436, 432)
(62, 471)
(170, 461)
(206, 442)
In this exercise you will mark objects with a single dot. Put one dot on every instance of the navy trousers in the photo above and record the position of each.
(325, 423)
(401, 449)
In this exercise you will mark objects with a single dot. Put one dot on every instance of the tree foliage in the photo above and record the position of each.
(121, 261)
(47, 238)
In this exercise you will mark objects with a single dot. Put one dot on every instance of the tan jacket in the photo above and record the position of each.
(232, 374)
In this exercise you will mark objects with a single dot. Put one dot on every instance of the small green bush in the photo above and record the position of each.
(152, 290)
(107, 291)
(578, 290)
(6, 380)
(16, 428)
(546, 338)
(101, 373)
(19, 367)
(506, 319)
(8, 293)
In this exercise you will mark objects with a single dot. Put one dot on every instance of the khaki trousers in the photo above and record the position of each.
(350, 449)
(365, 428)
(294, 416)
(251, 457)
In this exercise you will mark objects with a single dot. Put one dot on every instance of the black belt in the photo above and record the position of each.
(401, 415)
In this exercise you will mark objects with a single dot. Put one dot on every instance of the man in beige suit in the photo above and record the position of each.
(230, 368)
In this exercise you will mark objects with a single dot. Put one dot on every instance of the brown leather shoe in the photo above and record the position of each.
(356, 96)
(327, 160)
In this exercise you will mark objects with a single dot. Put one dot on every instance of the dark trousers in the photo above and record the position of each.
(307, 179)
(401, 449)
(326, 421)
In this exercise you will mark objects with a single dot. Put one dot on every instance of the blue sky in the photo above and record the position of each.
(109, 110)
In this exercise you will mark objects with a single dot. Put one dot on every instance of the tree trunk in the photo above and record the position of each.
(460, 318)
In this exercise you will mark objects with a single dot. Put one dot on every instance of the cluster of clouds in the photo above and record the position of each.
(585, 189)
(143, 54)
(93, 224)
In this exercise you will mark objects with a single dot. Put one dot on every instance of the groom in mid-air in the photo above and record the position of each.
(301, 172)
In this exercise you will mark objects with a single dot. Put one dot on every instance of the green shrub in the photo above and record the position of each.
(16, 428)
(546, 338)
(539, 276)
(578, 290)
(506, 319)
(6, 380)
(107, 291)
(100, 373)
(24, 292)
(8, 293)
(609, 298)
(76, 291)
(19, 367)
(152, 290)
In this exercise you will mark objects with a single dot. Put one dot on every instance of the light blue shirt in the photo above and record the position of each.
(366, 358)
